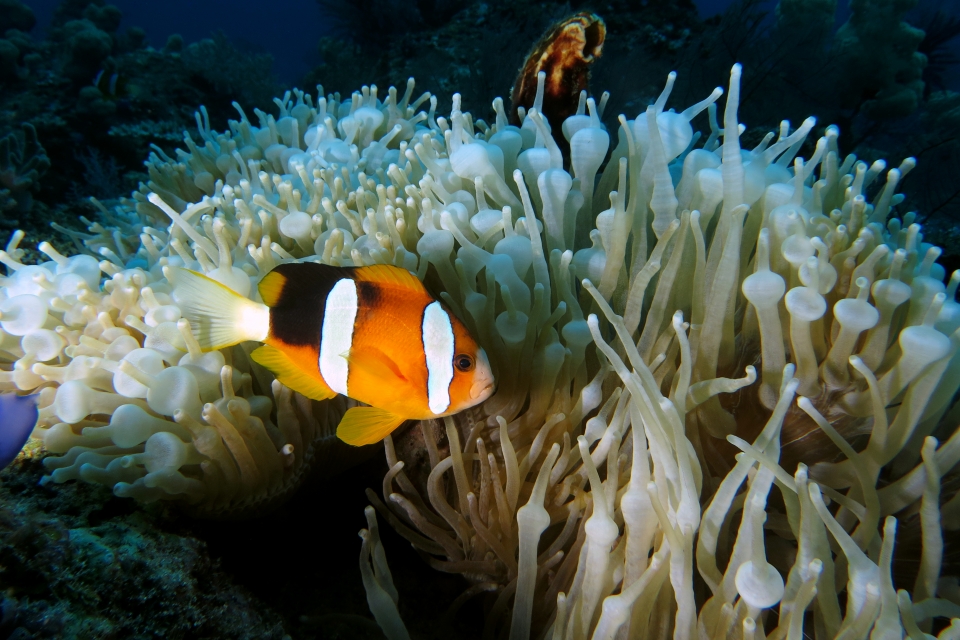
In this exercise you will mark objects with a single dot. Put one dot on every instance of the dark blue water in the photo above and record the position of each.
(288, 31)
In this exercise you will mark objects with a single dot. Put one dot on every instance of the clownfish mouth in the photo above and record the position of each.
(480, 394)
(483, 383)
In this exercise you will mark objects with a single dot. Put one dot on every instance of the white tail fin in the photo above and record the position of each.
(219, 317)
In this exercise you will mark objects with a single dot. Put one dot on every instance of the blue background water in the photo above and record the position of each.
(288, 30)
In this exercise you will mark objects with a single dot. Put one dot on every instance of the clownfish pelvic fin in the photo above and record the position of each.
(367, 425)
(219, 316)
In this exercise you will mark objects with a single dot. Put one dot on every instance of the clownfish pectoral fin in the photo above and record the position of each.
(290, 375)
(377, 364)
(367, 425)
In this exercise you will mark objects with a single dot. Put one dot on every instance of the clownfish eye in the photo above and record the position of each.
(463, 362)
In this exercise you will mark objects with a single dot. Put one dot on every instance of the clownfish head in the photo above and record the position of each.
(473, 380)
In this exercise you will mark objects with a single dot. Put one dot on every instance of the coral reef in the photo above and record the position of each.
(936, 144)
(882, 67)
(88, 84)
(16, 15)
(86, 46)
(229, 72)
(75, 565)
(23, 161)
(940, 28)
(816, 15)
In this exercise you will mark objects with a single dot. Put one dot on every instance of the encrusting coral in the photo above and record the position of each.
(595, 492)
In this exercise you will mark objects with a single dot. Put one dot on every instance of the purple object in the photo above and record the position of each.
(18, 416)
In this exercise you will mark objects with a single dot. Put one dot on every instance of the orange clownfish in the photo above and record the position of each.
(373, 334)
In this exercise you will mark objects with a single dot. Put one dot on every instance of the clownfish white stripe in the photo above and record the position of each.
(336, 334)
(438, 345)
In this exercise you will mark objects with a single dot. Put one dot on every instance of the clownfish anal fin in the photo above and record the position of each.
(367, 425)
(389, 275)
(290, 375)
(375, 363)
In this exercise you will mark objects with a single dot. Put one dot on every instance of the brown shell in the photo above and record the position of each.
(564, 53)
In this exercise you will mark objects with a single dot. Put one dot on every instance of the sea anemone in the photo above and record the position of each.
(642, 521)
(733, 320)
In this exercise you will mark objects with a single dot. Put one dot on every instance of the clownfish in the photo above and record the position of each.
(373, 334)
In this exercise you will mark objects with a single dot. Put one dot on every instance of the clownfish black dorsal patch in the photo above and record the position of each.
(297, 295)
(291, 284)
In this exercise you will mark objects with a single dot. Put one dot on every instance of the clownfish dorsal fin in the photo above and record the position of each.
(367, 425)
(290, 375)
(376, 363)
(389, 275)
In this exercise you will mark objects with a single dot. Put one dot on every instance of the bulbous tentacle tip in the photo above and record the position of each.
(18, 416)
